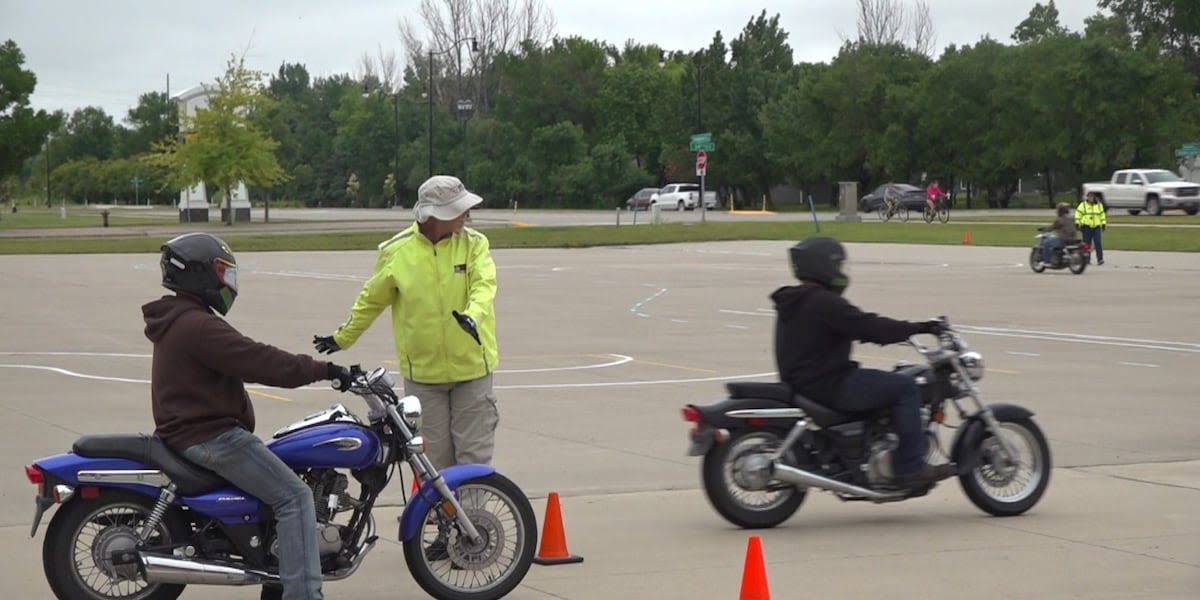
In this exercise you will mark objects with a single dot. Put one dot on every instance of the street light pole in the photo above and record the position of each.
(48, 170)
(453, 46)
(396, 152)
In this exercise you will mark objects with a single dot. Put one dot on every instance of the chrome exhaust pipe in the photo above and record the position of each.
(805, 478)
(168, 569)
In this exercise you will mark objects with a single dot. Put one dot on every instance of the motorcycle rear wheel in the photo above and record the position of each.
(494, 567)
(730, 474)
(82, 536)
(1077, 262)
(1006, 488)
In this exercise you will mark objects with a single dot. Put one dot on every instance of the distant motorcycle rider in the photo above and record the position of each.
(1063, 230)
(814, 330)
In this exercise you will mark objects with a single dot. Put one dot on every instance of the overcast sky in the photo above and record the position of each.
(107, 53)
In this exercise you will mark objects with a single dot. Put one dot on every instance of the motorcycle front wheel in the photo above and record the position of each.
(1035, 260)
(735, 480)
(1001, 485)
(84, 534)
(448, 566)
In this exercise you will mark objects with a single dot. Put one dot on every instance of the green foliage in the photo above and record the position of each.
(22, 131)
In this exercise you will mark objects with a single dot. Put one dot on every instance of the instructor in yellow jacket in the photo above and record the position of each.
(438, 278)
(1091, 219)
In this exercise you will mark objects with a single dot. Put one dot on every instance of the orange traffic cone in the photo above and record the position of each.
(967, 238)
(553, 550)
(754, 576)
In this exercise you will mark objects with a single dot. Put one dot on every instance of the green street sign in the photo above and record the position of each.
(702, 137)
(136, 180)
(706, 145)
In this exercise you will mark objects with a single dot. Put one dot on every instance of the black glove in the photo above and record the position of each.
(339, 375)
(468, 325)
(325, 344)
(933, 327)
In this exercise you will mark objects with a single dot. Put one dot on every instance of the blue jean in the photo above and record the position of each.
(1091, 235)
(1049, 245)
(868, 390)
(243, 459)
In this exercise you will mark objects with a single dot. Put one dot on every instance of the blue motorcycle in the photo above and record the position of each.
(138, 521)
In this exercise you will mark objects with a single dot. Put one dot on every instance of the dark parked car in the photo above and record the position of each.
(910, 195)
(640, 200)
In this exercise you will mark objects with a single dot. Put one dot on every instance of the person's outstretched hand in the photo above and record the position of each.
(325, 344)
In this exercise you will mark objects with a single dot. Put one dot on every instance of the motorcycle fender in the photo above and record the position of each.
(716, 414)
(970, 432)
(413, 517)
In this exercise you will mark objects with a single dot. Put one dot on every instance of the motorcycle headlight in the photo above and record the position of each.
(410, 407)
(973, 363)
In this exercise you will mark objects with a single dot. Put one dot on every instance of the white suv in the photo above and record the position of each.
(682, 196)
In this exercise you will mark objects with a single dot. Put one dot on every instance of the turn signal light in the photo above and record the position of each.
(34, 474)
(691, 414)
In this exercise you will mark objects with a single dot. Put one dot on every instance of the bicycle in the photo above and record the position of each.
(941, 212)
(891, 208)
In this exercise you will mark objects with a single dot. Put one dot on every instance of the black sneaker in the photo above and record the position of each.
(929, 474)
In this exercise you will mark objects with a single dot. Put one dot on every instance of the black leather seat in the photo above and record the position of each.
(821, 414)
(190, 479)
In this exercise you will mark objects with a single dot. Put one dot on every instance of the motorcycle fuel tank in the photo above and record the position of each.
(329, 446)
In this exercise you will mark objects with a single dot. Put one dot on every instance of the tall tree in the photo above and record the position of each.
(1171, 26)
(22, 131)
(1041, 23)
(155, 118)
(225, 145)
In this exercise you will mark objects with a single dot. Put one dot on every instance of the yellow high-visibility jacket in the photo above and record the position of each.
(423, 282)
(1090, 214)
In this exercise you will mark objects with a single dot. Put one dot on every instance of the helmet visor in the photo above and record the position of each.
(226, 273)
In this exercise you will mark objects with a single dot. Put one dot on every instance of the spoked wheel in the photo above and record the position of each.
(84, 534)
(928, 214)
(737, 481)
(1008, 485)
(884, 214)
(943, 214)
(1035, 260)
(902, 213)
(449, 566)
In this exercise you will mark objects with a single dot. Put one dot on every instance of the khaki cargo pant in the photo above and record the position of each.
(459, 420)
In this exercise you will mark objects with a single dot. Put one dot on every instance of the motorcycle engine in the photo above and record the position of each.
(329, 496)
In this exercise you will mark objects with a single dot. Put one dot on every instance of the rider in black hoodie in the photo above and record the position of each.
(815, 327)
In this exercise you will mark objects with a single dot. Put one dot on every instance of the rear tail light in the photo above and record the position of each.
(691, 414)
(34, 474)
(1086, 246)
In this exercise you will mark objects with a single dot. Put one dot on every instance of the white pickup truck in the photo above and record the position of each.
(1151, 190)
(682, 196)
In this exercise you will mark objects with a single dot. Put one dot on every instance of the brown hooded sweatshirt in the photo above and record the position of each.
(200, 364)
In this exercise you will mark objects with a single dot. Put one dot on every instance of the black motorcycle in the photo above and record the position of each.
(765, 446)
(1075, 255)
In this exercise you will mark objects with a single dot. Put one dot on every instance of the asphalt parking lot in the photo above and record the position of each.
(599, 350)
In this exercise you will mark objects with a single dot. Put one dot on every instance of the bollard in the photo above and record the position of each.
(104, 217)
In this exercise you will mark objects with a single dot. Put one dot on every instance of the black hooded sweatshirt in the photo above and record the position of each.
(814, 329)
(199, 366)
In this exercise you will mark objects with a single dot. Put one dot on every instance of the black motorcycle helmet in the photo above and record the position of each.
(201, 264)
(819, 259)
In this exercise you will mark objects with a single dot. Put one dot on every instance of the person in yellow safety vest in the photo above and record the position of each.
(439, 279)
(1091, 219)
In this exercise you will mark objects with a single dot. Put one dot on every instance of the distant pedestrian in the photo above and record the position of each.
(1092, 219)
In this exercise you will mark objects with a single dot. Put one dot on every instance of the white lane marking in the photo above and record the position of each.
(770, 374)
(106, 354)
(1139, 364)
(311, 275)
(620, 360)
(1100, 340)
(637, 308)
(747, 313)
(1016, 353)
(73, 373)
(731, 326)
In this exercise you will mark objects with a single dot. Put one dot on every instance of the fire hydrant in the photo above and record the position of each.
(104, 217)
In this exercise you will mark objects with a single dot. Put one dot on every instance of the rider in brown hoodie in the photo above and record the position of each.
(200, 404)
